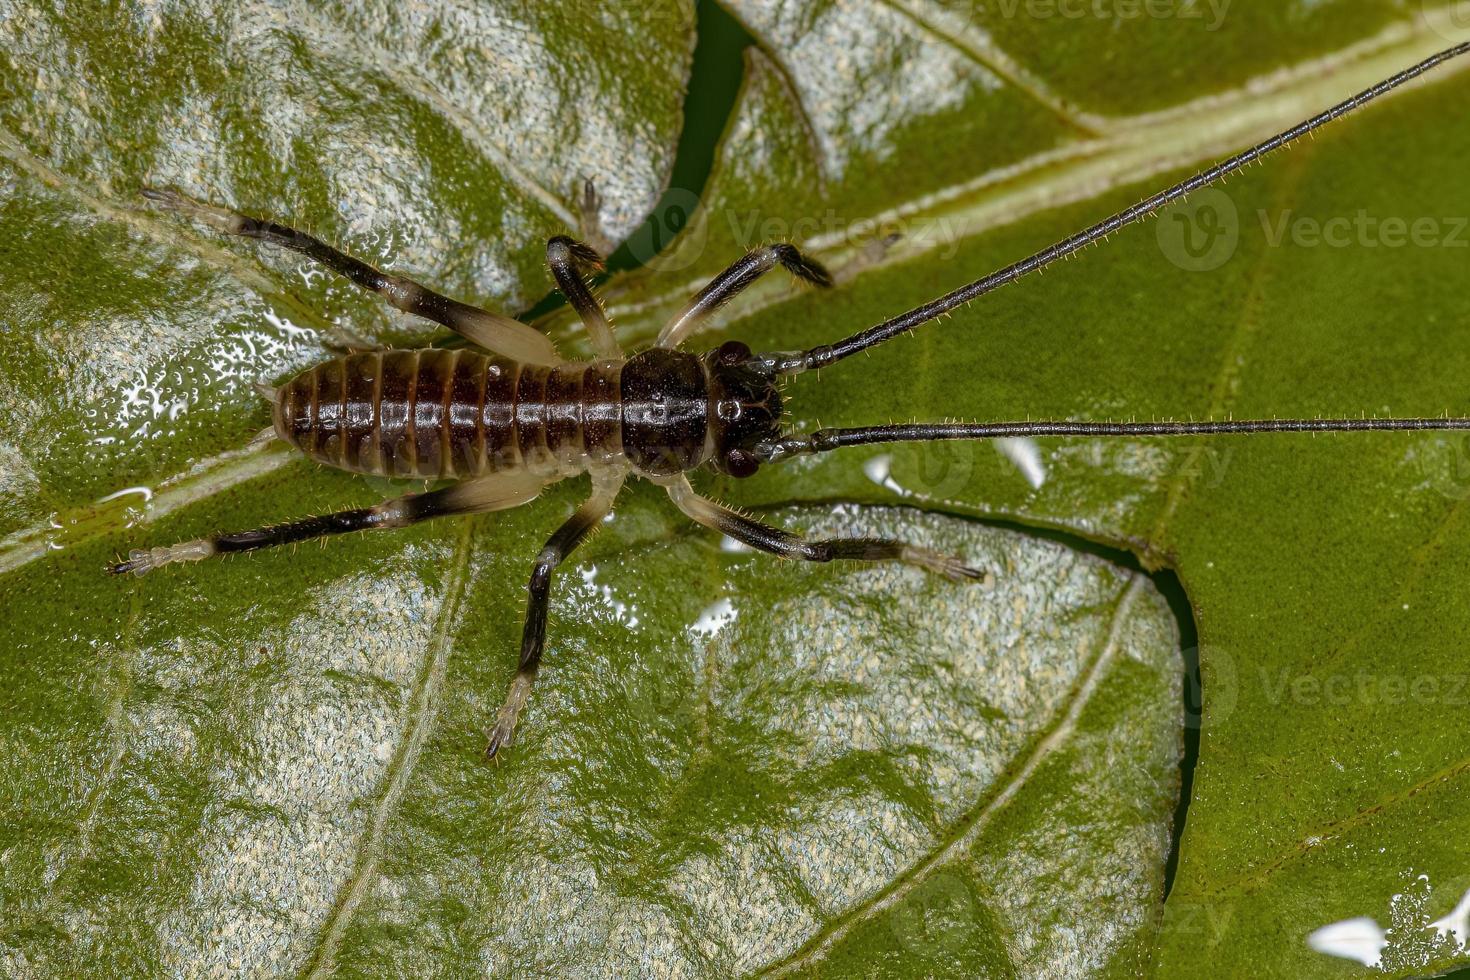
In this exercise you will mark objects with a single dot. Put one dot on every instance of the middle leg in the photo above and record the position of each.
(569, 261)
(784, 544)
(605, 489)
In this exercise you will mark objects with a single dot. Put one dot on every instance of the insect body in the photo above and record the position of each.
(507, 423)
(457, 414)
(506, 420)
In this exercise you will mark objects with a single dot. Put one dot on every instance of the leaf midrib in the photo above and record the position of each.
(1132, 150)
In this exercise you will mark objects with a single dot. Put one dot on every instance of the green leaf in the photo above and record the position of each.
(273, 765)
(1324, 573)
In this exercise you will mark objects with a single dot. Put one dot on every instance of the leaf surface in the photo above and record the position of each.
(729, 766)
(1322, 572)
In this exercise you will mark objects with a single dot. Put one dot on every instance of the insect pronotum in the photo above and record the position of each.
(506, 422)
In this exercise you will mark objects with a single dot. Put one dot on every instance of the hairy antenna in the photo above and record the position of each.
(825, 440)
(821, 356)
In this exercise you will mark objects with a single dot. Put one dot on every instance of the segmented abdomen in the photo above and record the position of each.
(451, 413)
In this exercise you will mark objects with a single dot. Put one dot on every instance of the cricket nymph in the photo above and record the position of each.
(511, 416)
(454, 414)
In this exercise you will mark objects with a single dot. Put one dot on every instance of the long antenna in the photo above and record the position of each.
(825, 354)
(825, 440)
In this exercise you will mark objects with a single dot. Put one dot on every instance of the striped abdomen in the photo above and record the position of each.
(452, 413)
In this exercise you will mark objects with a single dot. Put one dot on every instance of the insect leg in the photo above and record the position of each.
(725, 286)
(491, 331)
(533, 638)
(495, 492)
(784, 544)
(570, 260)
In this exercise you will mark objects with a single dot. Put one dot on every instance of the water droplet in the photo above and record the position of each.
(715, 617)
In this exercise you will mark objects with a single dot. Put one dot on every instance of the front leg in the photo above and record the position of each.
(734, 280)
(605, 489)
(784, 544)
(570, 261)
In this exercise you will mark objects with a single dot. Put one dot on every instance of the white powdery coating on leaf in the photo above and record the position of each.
(952, 684)
(835, 55)
(283, 832)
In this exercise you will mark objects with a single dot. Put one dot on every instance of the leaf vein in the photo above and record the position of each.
(400, 770)
(1134, 149)
(1257, 877)
(971, 827)
(986, 53)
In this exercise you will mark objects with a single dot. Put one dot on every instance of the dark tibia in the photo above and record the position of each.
(406, 295)
(490, 330)
(401, 512)
(533, 636)
(784, 544)
(141, 561)
(470, 496)
(570, 261)
(305, 529)
(728, 284)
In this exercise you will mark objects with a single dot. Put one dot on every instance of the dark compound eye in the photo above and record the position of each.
(740, 464)
(732, 352)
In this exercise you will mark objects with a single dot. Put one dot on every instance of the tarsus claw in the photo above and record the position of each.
(503, 734)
